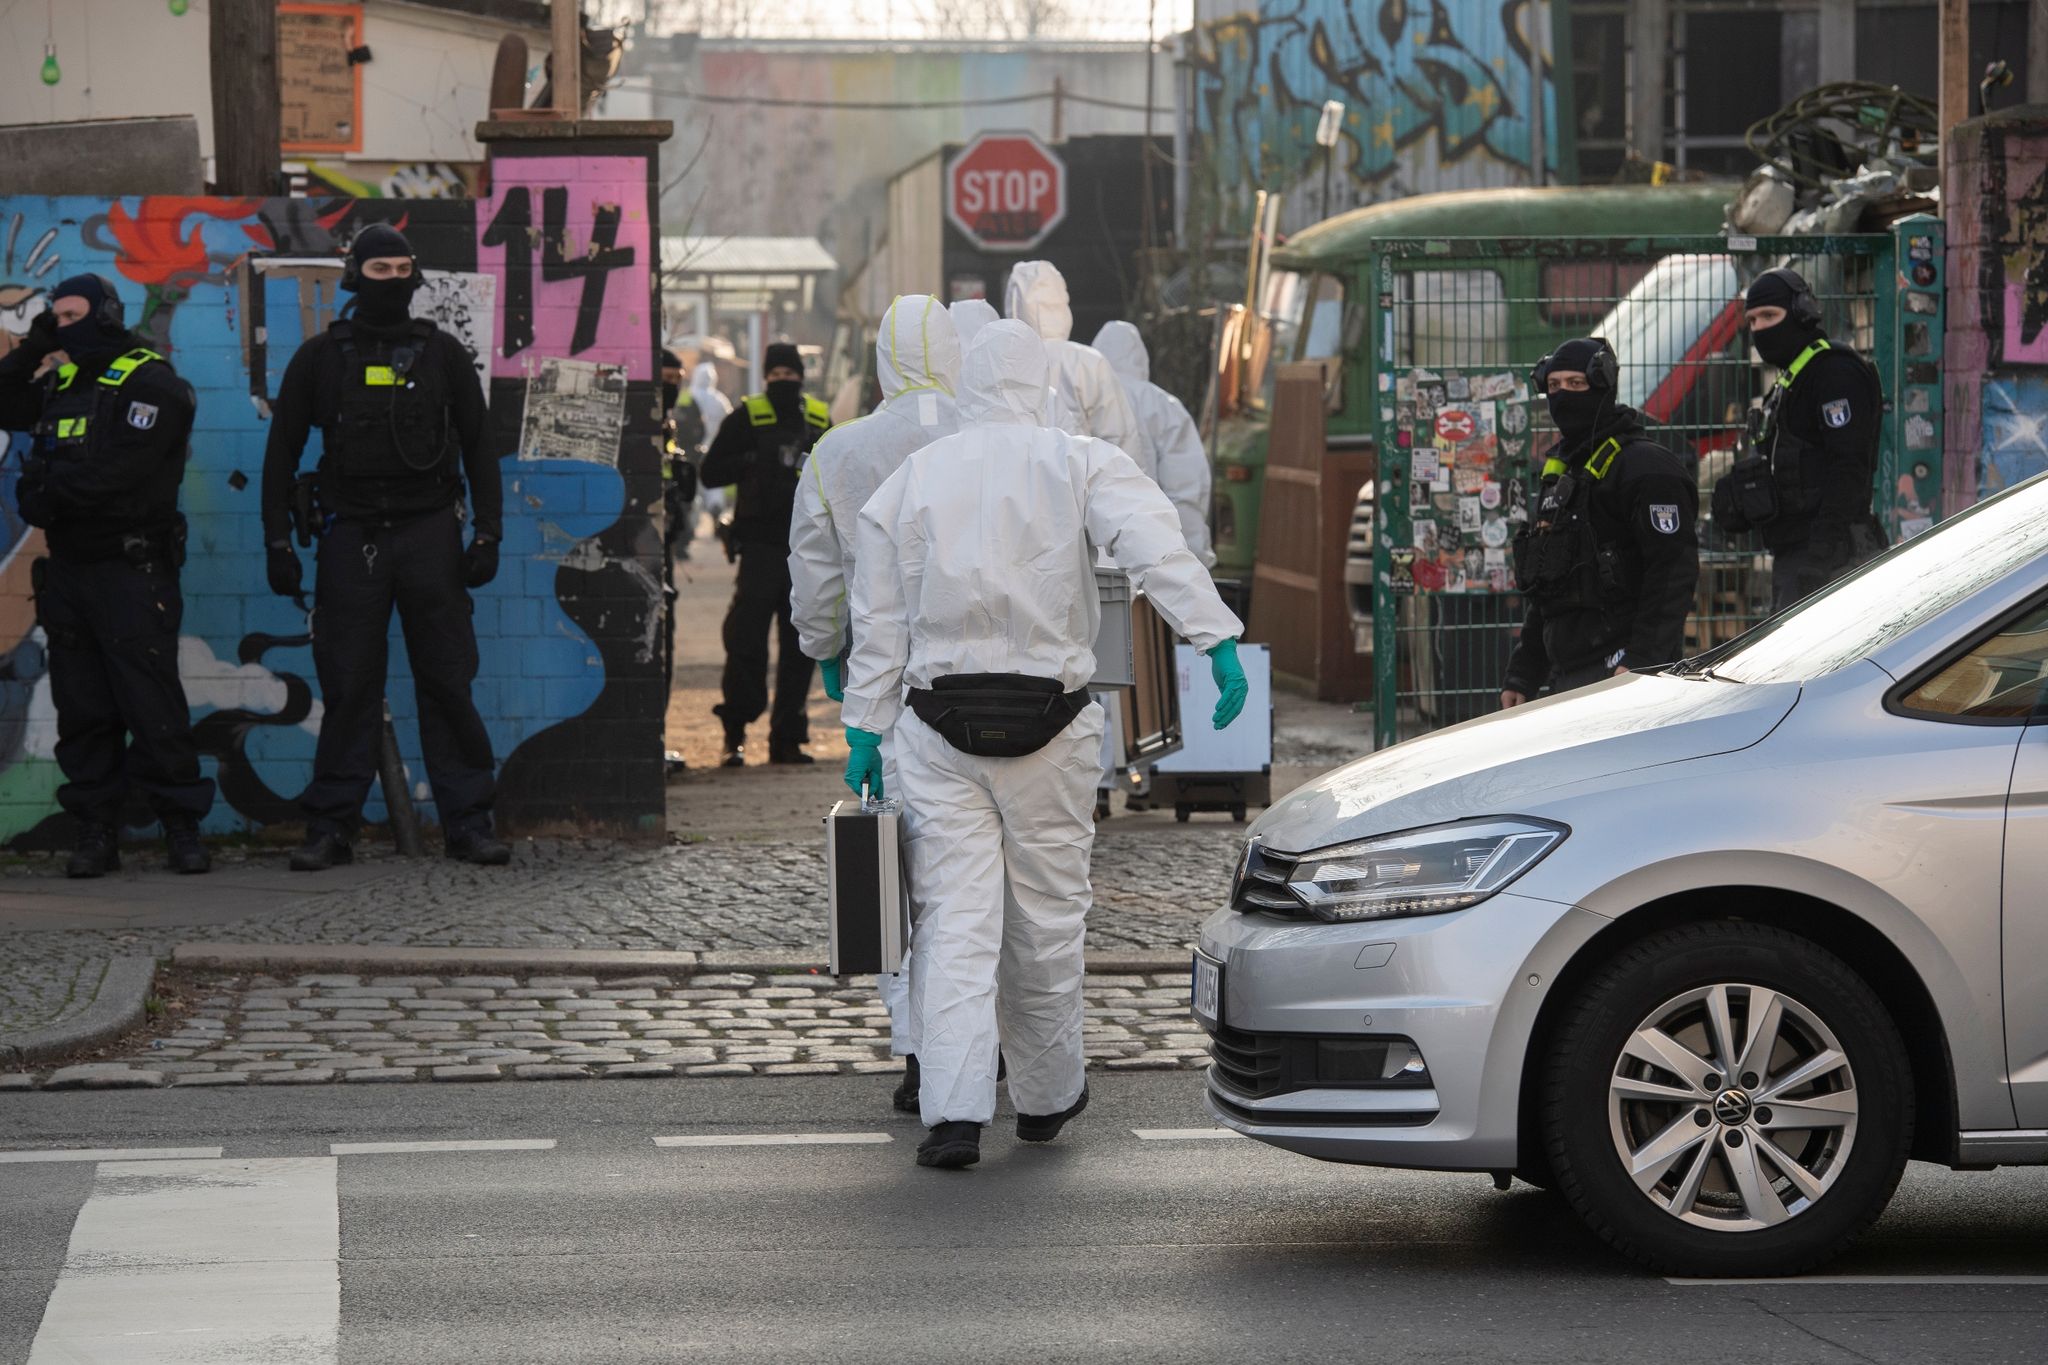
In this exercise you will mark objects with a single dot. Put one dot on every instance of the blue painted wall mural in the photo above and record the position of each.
(571, 680)
(1437, 96)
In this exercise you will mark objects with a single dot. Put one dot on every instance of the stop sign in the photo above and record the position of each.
(1006, 191)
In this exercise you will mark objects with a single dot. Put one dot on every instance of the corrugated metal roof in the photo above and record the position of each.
(745, 256)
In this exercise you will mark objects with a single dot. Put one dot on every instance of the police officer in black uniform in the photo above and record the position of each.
(401, 417)
(762, 447)
(1610, 562)
(1810, 479)
(110, 420)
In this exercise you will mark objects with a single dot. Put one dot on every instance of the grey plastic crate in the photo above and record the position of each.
(1115, 665)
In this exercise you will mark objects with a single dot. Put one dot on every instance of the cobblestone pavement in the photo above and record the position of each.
(313, 1030)
(1153, 887)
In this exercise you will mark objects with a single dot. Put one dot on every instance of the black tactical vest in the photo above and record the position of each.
(394, 421)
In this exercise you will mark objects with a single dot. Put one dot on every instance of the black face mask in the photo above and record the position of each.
(87, 337)
(1781, 345)
(785, 394)
(1576, 413)
(669, 394)
(385, 303)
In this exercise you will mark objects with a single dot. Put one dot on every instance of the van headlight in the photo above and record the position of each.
(1421, 871)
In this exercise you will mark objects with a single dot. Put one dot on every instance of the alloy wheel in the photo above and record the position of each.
(1733, 1107)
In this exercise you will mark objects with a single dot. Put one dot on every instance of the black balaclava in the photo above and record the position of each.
(93, 335)
(1780, 345)
(383, 303)
(671, 389)
(785, 394)
(1577, 414)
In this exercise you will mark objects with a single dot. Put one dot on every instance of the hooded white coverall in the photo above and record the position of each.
(977, 556)
(716, 407)
(1086, 399)
(917, 359)
(1180, 463)
(970, 316)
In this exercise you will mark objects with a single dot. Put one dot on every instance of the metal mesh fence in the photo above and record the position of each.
(1459, 325)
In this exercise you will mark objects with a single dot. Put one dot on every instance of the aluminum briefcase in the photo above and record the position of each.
(870, 902)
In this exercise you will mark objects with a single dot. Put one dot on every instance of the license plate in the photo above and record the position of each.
(1206, 995)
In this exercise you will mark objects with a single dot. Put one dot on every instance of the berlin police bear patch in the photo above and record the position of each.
(1835, 414)
(1664, 516)
(142, 416)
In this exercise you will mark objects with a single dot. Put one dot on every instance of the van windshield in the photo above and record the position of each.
(1860, 614)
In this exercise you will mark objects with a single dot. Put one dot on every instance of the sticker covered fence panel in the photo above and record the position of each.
(570, 676)
(1459, 324)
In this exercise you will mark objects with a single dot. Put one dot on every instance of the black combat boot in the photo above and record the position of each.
(951, 1146)
(324, 848)
(98, 852)
(186, 855)
(905, 1097)
(1046, 1127)
(477, 846)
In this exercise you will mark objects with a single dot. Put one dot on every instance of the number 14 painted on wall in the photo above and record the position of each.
(592, 299)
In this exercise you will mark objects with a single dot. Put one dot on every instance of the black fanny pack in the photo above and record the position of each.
(997, 715)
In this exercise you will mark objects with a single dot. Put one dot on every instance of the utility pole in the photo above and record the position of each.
(566, 58)
(1145, 225)
(1955, 70)
(241, 42)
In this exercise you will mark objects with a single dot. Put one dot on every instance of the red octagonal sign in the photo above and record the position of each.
(1006, 191)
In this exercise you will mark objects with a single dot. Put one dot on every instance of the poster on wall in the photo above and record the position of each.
(320, 91)
(575, 410)
(464, 303)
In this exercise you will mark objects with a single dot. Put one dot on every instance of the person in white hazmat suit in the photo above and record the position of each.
(917, 360)
(974, 619)
(970, 316)
(1179, 462)
(715, 407)
(1085, 398)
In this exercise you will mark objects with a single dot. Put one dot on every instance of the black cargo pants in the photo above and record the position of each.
(112, 628)
(760, 601)
(364, 571)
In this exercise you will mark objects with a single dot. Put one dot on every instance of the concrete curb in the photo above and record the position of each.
(388, 960)
(116, 1007)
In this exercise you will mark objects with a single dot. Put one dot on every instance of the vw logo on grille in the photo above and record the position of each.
(1732, 1107)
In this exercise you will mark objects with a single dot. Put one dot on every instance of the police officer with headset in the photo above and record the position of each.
(110, 420)
(401, 416)
(1610, 563)
(1808, 480)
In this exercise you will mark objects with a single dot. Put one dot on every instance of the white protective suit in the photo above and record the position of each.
(917, 359)
(1085, 397)
(970, 316)
(977, 556)
(716, 407)
(1179, 463)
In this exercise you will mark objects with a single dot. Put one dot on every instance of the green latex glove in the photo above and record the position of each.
(864, 762)
(828, 669)
(1231, 686)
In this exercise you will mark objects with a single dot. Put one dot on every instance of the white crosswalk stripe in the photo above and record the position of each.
(201, 1260)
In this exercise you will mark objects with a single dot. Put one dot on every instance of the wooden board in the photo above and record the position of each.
(320, 92)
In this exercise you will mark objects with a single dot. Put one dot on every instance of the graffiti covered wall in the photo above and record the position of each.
(1437, 95)
(554, 267)
(1995, 194)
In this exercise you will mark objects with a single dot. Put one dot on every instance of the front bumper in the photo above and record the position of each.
(1464, 988)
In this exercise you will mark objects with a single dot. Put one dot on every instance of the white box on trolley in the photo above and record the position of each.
(869, 922)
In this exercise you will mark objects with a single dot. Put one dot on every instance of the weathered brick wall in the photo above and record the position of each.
(1995, 197)
(570, 684)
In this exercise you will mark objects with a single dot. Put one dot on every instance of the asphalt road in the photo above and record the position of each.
(1104, 1246)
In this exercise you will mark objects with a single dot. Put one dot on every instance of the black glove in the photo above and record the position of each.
(287, 575)
(41, 338)
(480, 563)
